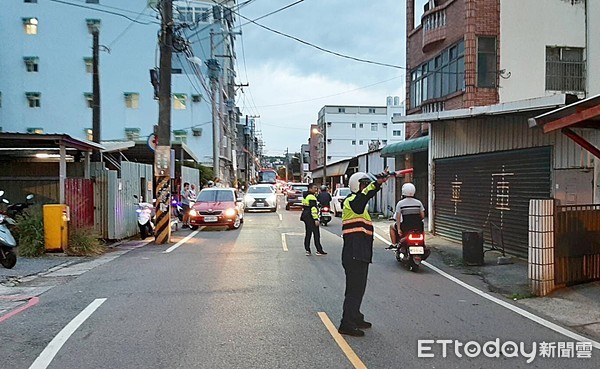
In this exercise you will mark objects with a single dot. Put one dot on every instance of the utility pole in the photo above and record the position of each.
(95, 92)
(213, 75)
(162, 155)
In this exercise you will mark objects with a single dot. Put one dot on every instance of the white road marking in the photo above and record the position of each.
(524, 313)
(186, 239)
(280, 217)
(284, 242)
(46, 357)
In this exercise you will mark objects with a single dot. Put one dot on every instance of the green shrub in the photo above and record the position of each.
(29, 233)
(84, 242)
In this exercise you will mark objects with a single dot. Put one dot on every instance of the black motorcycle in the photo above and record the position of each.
(412, 250)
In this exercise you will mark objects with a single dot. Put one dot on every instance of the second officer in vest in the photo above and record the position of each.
(310, 217)
(357, 253)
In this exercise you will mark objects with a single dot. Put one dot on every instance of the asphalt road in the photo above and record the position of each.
(239, 299)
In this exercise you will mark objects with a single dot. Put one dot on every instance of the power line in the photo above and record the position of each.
(127, 28)
(105, 11)
(327, 96)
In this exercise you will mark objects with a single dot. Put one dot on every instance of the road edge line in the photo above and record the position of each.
(524, 313)
(344, 346)
(31, 301)
(181, 242)
(46, 356)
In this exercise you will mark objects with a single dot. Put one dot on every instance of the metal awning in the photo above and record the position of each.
(333, 170)
(21, 143)
(582, 114)
(546, 102)
(112, 146)
(405, 147)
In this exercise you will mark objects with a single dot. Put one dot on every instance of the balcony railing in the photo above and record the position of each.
(434, 27)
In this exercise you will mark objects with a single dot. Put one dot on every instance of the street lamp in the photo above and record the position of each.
(324, 134)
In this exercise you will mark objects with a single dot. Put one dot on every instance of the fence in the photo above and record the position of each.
(114, 215)
(577, 244)
(79, 196)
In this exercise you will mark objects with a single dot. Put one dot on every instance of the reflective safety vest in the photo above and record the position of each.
(309, 207)
(357, 223)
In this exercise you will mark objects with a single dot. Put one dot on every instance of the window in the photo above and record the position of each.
(565, 69)
(34, 99)
(371, 110)
(486, 62)
(89, 98)
(89, 66)
(353, 142)
(361, 142)
(360, 125)
(30, 1)
(196, 98)
(92, 1)
(439, 76)
(30, 26)
(0, 99)
(374, 127)
(132, 133)
(93, 24)
(176, 71)
(89, 134)
(197, 131)
(35, 130)
(31, 63)
(396, 133)
(341, 110)
(180, 135)
(132, 100)
(179, 101)
(353, 125)
(384, 142)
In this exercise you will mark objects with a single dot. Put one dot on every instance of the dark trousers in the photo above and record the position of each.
(356, 284)
(312, 229)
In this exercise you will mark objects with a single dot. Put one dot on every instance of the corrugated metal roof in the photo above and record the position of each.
(404, 147)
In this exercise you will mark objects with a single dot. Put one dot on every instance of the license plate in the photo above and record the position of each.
(210, 218)
(416, 250)
(300, 198)
(259, 205)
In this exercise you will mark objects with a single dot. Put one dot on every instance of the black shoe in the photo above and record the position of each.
(320, 253)
(355, 332)
(363, 325)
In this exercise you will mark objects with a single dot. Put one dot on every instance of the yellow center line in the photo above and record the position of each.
(346, 349)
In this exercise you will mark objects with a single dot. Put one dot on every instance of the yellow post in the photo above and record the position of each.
(56, 231)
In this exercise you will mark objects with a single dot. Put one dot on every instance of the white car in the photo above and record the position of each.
(336, 201)
(261, 197)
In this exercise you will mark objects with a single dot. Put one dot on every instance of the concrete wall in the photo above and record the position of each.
(527, 27)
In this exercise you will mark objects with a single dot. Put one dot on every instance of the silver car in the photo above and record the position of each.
(261, 197)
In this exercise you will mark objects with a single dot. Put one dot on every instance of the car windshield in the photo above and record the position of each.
(260, 190)
(215, 195)
(300, 188)
(344, 192)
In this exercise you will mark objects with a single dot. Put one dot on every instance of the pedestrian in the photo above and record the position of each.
(192, 193)
(185, 204)
(357, 252)
(310, 217)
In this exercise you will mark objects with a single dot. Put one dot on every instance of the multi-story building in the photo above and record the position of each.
(46, 70)
(467, 53)
(353, 130)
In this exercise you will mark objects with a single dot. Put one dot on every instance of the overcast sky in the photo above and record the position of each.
(290, 82)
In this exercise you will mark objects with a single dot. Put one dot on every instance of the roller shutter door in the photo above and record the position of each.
(473, 191)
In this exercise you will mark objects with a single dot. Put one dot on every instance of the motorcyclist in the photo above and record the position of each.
(409, 215)
(324, 198)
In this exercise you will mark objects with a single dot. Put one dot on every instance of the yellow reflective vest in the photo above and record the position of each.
(355, 216)
(309, 207)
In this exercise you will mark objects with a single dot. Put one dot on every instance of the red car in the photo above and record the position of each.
(217, 207)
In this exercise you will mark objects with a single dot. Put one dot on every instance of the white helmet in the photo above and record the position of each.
(356, 178)
(408, 189)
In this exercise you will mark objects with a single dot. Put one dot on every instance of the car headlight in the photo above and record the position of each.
(193, 213)
(229, 212)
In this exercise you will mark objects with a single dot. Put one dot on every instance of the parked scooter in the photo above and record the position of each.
(412, 250)
(177, 209)
(19, 209)
(8, 258)
(145, 213)
(324, 215)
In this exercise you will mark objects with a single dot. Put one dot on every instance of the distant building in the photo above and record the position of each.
(355, 130)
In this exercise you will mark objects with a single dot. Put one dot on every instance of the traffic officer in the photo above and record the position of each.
(357, 252)
(310, 217)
